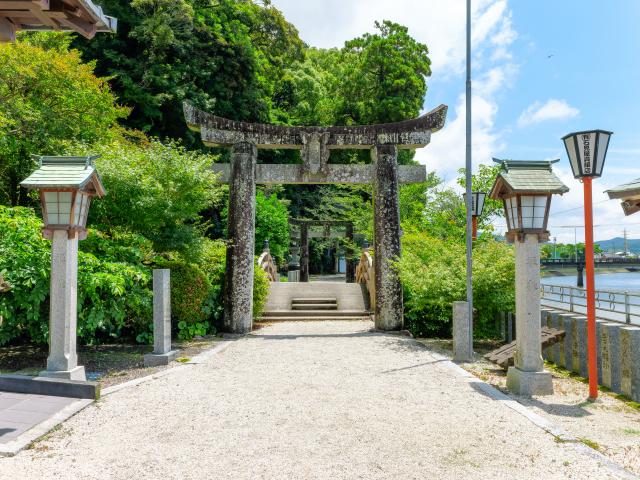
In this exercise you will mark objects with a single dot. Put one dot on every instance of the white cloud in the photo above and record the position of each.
(552, 109)
(441, 25)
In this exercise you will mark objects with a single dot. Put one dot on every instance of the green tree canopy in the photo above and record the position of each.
(48, 99)
(224, 56)
(155, 189)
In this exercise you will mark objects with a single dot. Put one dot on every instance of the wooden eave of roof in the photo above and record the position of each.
(80, 16)
(627, 191)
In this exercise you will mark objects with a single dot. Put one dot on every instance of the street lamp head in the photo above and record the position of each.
(66, 186)
(587, 152)
(525, 188)
(477, 202)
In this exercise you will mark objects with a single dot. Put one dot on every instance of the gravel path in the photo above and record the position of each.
(304, 401)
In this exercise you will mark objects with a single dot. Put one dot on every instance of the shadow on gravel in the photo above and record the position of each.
(558, 409)
(415, 366)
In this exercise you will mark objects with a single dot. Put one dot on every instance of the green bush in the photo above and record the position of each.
(260, 290)
(114, 297)
(433, 272)
(211, 258)
(153, 189)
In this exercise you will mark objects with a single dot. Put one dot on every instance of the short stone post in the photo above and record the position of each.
(630, 362)
(304, 252)
(528, 377)
(162, 353)
(609, 349)
(461, 331)
(389, 313)
(63, 360)
(238, 305)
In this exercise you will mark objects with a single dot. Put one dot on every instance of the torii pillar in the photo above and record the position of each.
(389, 311)
(315, 144)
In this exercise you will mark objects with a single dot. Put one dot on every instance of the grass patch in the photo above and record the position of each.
(183, 359)
(630, 403)
(631, 431)
(591, 444)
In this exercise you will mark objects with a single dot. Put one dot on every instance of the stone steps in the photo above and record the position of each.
(318, 313)
(314, 306)
(314, 318)
(315, 301)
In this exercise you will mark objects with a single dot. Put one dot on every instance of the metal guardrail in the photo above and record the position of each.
(614, 306)
(598, 261)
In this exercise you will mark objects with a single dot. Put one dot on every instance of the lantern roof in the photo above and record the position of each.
(629, 193)
(526, 176)
(66, 172)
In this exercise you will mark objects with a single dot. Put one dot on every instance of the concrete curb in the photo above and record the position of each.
(560, 434)
(12, 448)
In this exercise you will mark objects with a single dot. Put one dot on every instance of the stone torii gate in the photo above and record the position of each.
(315, 144)
(304, 244)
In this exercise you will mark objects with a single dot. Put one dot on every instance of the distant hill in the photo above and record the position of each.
(617, 245)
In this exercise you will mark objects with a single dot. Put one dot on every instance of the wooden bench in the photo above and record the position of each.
(505, 355)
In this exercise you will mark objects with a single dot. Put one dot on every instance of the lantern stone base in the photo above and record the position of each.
(76, 373)
(528, 384)
(157, 359)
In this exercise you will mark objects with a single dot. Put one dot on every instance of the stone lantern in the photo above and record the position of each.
(66, 186)
(526, 187)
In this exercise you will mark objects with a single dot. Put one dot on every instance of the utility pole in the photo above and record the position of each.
(626, 243)
(468, 169)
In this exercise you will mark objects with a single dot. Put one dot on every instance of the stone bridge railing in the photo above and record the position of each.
(266, 263)
(366, 275)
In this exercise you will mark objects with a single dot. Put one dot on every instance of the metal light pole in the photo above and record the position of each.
(587, 152)
(468, 183)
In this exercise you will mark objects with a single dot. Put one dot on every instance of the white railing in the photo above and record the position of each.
(366, 274)
(615, 306)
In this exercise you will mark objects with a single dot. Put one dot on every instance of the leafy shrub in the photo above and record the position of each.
(114, 297)
(433, 273)
(211, 259)
(153, 189)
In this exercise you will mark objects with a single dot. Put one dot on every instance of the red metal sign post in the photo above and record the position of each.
(591, 288)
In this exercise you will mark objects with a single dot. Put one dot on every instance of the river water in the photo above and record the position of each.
(628, 281)
(617, 296)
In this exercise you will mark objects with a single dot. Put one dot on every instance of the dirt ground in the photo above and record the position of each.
(610, 425)
(108, 364)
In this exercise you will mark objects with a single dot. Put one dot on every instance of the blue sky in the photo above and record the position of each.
(541, 69)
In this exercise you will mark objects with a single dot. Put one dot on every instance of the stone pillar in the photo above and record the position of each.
(63, 360)
(349, 260)
(389, 307)
(461, 343)
(162, 353)
(304, 252)
(528, 377)
(238, 305)
(630, 362)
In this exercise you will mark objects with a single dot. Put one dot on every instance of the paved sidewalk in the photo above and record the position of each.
(20, 412)
(306, 401)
